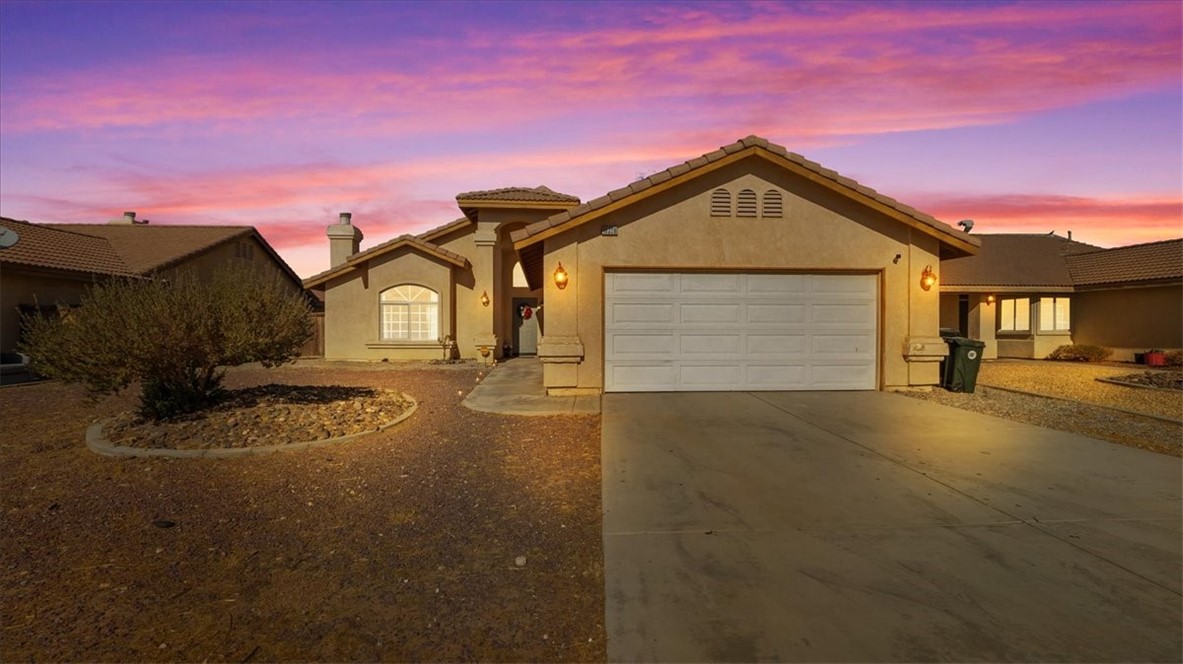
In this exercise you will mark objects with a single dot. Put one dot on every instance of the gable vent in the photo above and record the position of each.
(774, 205)
(720, 203)
(745, 205)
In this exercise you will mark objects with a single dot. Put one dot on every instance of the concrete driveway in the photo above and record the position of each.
(868, 526)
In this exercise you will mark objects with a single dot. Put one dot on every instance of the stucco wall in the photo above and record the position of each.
(352, 323)
(32, 287)
(821, 231)
(1129, 320)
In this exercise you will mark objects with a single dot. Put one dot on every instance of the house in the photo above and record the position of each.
(747, 268)
(1026, 294)
(52, 265)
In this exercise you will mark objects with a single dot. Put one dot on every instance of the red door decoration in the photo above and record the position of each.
(527, 312)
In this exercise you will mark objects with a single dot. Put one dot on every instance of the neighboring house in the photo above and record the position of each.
(747, 268)
(1024, 295)
(52, 265)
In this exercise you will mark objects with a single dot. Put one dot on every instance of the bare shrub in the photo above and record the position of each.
(1079, 353)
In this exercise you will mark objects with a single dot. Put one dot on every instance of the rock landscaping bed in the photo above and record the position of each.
(266, 415)
(1163, 380)
(453, 536)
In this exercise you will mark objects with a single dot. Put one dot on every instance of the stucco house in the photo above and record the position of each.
(52, 265)
(747, 268)
(1026, 294)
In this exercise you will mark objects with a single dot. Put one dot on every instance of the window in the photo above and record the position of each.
(410, 313)
(1016, 315)
(745, 204)
(1053, 314)
(720, 203)
(773, 204)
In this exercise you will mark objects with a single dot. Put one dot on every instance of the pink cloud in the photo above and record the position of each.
(1105, 222)
(828, 73)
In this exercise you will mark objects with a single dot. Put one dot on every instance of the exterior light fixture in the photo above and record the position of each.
(989, 299)
(561, 277)
(485, 298)
(928, 278)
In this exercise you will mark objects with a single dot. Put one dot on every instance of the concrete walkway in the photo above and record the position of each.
(867, 526)
(514, 387)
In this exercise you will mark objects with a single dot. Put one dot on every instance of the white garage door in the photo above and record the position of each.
(714, 331)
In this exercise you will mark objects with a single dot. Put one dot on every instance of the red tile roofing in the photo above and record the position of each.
(60, 249)
(1153, 261)
(1014, 259)
(146, 247)
(539, 194)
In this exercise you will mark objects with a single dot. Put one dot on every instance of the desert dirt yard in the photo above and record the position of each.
(454, 535)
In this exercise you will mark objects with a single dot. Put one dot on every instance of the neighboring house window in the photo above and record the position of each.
(745, 204)
(1053, 314)
(720, 203)
(773, 204)
(1016, 315)
(410, 313)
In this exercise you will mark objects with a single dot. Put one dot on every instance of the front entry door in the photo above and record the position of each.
(525, 330)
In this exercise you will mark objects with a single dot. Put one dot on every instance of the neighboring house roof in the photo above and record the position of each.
(1050, 263)
(126, 250)
(59, 249)
(1014, 260)
(1153, 261)
(954, 242)
(540, 194)
(146, 248)
(410, 241)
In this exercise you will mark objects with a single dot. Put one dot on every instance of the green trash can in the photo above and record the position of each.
(959, 371)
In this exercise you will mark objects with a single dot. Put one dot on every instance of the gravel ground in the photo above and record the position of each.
(1078, 381)
(1089, 411)
(455, 535)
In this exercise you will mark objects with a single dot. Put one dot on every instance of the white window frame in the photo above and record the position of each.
(409, 312)
(1055, 314)
(1014, 314)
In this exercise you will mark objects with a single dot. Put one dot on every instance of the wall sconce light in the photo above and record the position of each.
(989, 299)
(928, 278)
(485, 298)
(561, 277)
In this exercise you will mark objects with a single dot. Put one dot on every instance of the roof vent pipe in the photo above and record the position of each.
(1069, 235)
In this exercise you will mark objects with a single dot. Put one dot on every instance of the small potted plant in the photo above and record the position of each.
(1155, 357)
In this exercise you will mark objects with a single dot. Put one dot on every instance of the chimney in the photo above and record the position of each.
(344, 240)
(128, 218)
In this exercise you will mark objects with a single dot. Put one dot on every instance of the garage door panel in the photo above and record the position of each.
(778, 283)
(847, 344)
(641, 377)
(625, 345)
(723, 345)
(711, 284)
(640, 284)
(710, 376)
(641, 313)
(713, 313)
(776, 313)
(842, 314)
(730, 331)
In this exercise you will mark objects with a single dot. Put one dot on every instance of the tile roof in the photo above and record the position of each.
(939, 228)
(379, 249)
(60, 249)
(440, 231)
(1153, 261)
(538, 194)
(145, 247)
(1014, 259)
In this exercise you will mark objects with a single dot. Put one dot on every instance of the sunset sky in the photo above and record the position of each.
(1023, 116)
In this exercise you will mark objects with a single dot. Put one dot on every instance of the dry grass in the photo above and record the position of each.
(401, 546)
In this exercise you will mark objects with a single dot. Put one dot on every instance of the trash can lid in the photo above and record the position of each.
(967, 343)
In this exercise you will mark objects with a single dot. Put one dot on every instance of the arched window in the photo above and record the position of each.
(774, 205)
(410, 313)
(519, 276)
(745, 205)
(720, 203)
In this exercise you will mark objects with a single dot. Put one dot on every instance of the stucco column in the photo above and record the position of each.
(561, 349)
(924, 347)
(485, 263)
(981, 324)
